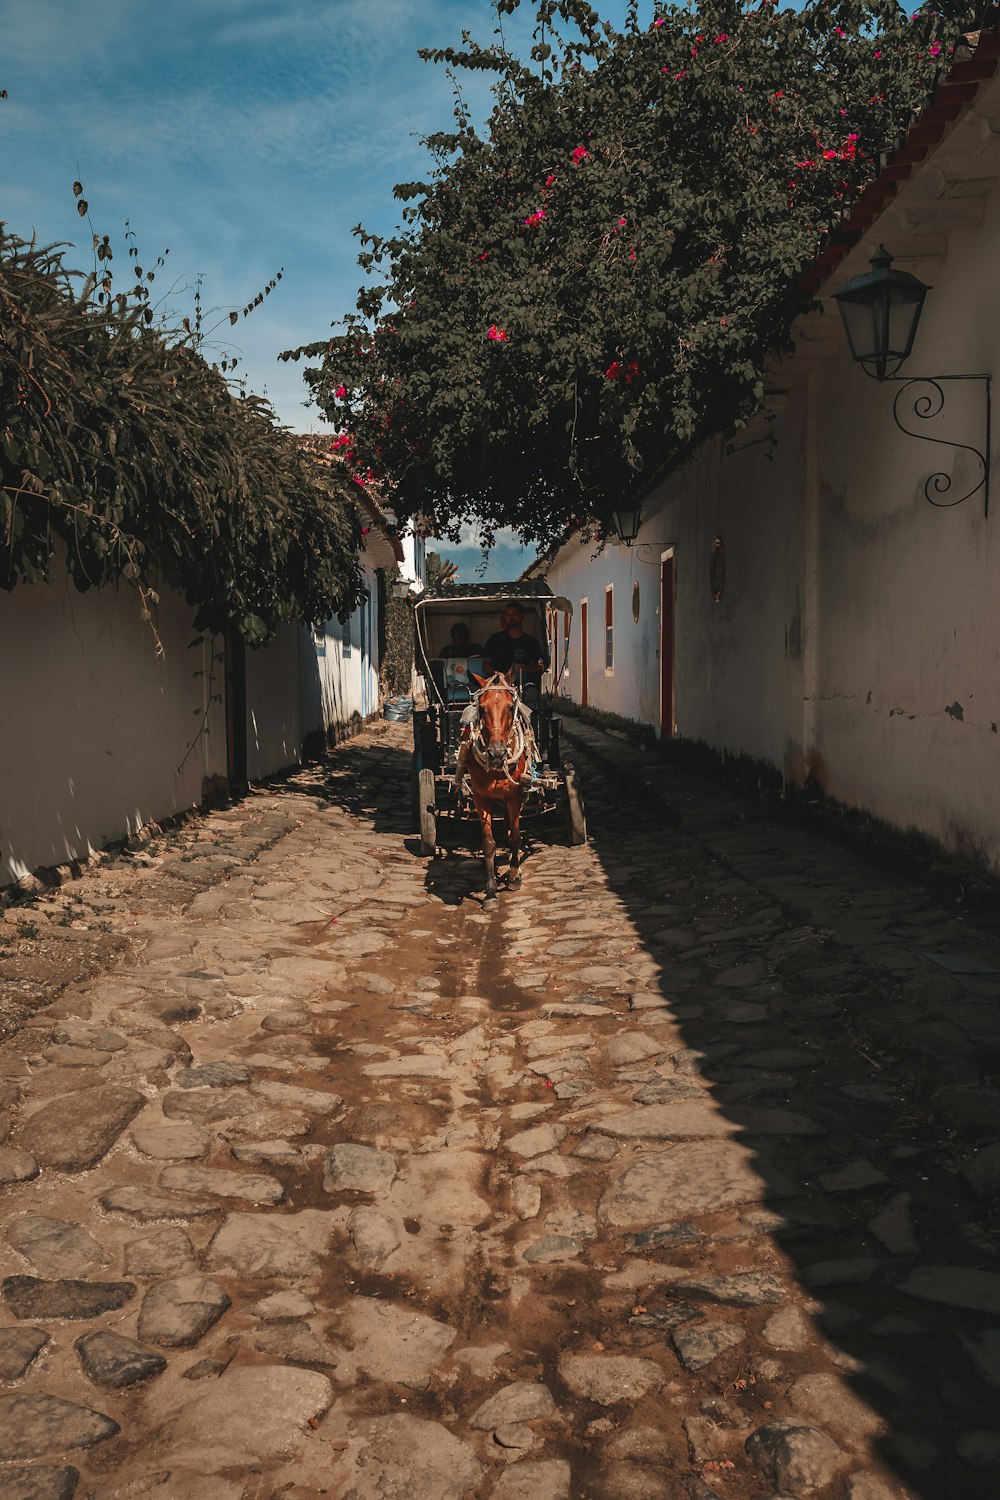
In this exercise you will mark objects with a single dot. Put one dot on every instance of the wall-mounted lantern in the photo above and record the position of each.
(400, 588)
(880, 312)
(626, 521)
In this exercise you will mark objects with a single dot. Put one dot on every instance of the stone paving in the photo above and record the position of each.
(674, 1177)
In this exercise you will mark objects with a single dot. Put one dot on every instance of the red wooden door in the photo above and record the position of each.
(584, 666)
(667, 646)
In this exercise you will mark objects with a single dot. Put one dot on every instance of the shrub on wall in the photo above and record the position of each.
(124, 453)
(397, 661)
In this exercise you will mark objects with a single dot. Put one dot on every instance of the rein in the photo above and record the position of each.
(520, 741)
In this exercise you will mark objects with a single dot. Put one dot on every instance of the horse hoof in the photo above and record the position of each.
(514, 883)
(490, 904)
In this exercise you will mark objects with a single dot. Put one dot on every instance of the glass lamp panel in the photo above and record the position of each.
(626, 523)
(861, 326)
(904, 312)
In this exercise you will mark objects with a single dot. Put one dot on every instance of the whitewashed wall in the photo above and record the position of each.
(858, 636)
(339, 672)
(93, 726)
(274, 710)
(908, 690)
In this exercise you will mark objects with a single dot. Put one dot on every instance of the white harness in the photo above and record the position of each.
(520, 741)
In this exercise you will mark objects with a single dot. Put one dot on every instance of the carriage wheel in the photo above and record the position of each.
(576, 816)
(425, 803)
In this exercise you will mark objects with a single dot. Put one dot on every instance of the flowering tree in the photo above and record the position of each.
(585, 290)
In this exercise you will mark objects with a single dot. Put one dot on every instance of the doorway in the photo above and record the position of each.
(667, 590)
(584, 664)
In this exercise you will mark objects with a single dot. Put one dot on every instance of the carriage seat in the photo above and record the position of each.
(458, 687)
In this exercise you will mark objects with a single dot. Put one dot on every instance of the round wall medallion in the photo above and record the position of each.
(717, 569)
(635, 602)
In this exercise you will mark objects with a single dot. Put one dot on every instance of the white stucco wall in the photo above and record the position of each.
(339, 684)
(737, 673)
(93, 726)
(274, 720)
(908, 694)
(858, 636)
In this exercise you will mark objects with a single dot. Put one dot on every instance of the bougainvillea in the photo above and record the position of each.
(589, 286)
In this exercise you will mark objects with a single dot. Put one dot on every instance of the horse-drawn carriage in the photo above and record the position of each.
(454, 686)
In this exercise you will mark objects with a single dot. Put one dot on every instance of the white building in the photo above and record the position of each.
(100, 735)
(792, 596)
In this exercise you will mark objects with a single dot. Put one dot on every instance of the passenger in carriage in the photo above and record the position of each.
(460, 645)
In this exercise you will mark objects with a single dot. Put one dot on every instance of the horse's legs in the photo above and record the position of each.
(484, 808)
(514, 805)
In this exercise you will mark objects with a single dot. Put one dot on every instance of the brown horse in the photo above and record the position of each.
(495, 751)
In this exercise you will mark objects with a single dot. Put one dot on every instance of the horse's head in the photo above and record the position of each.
(496, 717)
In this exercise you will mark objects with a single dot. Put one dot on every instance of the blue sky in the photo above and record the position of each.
(243, 135)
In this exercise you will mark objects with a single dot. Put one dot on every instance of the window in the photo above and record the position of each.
(609, 628)
(319, 639)
(345, 636)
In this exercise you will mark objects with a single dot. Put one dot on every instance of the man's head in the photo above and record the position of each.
(512, 616)
(459, 634)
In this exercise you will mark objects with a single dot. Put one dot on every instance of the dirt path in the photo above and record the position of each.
(337, 1186)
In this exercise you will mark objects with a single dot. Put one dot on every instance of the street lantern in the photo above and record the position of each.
(400, 588)
(881, 310)
(626, 520)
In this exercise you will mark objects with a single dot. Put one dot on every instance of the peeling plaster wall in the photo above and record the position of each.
(93, 726)
(739, 661)
(909, 690)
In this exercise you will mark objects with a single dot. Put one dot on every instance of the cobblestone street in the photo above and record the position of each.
(671, 1178)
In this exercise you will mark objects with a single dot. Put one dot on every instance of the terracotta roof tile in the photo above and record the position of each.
(952, 95)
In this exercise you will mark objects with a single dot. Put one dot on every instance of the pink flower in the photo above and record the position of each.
(579, 152)
(613, 371)
(535, 218)
(659, 21)
(935, 48)
(722, 37)
(341, 392)
(552, 177)
(498, 334)
(631, 254)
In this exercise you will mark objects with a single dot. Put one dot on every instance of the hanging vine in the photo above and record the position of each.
(125, 455)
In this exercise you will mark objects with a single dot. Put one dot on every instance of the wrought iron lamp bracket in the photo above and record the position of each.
(929, 405)
(653, 549)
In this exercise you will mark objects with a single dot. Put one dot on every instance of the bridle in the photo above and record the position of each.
(519, 742)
